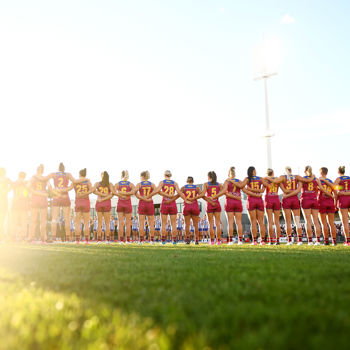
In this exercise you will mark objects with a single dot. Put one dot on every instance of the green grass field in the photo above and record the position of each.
(132, 297)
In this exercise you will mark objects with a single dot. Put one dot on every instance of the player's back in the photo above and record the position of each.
(344, 183)
(145, 188)
(60, 180)
(213, 189)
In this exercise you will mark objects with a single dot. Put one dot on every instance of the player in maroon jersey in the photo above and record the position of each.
(272, 207)
(20, 206)
(39, 188)
(168, 189)
(255, 205)
(124, 189)
(142, 191)
(5, 187)
(61, 181)
(233, 205)
(309, 203)
(189, 193)
(327, 208)
(342, 187)
(290, 186)
(104, 191)
(209, 192)
(82, 188)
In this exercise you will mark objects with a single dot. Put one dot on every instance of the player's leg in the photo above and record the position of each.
(296, 216)
(195, 220)
(187, 228)
(218, 227)
(253, 217)
(142, 227)
(77, 223)
(99, 226)
(128, 226)
(15, 224)
(55, 215)
(107, 219)
(238, 221)
(151, 227)
(314, 214)
(344, 214)
(260, 218)
(66, 216)
(211, 227)
(86, 219)
(121, 224)
(33, 221)
(276, 214)
(230, 216)
(288, 222)
(325, 228)
(330, 219)
(307, 216)
(173, 228)
(270, 216)
(164, 219)
(43, 224)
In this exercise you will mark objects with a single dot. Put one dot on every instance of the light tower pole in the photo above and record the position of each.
(268, 133)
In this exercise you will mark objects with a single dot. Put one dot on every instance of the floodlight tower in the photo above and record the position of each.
(268, 134)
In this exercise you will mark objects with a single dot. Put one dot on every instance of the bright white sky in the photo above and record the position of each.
(163, 84)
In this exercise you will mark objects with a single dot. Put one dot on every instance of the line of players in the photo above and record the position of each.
(319, 198)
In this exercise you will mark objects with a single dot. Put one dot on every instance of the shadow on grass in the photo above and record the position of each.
(217, 296)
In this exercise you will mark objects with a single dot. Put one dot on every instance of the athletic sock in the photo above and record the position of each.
(309, 239)
(318, 239)
(289, 239)
(300, 238)
(348, 240)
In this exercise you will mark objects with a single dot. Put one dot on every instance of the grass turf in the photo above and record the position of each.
(132, 297)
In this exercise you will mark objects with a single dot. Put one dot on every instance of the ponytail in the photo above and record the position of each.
(250, 172)
(105, 179)
(61, 167)
(308, 170)
(341, 170)
(212, 176)
(125, 175)
(82, 172)
(288, 171)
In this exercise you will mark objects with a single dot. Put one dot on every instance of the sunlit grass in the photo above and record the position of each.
(131, 297)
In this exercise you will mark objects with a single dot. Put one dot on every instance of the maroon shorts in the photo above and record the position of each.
(104, 206)
(146, 208)
(255, 203)
(191, 209)
(168, 209)
(291, 203)
(61, 201)
(214, 209)
(309, 203)
(38, 202)
(344, 202)
(124, 207)
(272, 202)
(233, 205)
(82, 205)
(326, 205)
